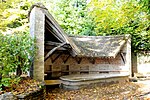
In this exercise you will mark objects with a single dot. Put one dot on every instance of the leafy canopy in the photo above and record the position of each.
(73, 16)
(113, 17)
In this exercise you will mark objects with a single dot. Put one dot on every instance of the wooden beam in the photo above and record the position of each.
(54, 30)
(56, 44)
(65, 59)
(50, 29)
(122, 57)
(78, 59)
(54, 22)
(47, 48)
(53, 60)
(52, 43)
(91, 60)
(51, 51)
(52, 82)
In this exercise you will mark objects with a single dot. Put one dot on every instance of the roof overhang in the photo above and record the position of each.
(83, 46)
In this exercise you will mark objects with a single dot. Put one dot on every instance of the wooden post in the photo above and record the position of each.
(37, 24)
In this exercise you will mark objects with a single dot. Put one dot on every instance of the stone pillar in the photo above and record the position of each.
(134, 63)
(37, 24)
(127, 51)
(128, 55)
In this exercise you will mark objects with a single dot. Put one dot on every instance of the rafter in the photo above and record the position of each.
(51, 51)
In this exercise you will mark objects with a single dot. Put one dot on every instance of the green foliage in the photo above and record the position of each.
(13, 14)
(16, 50)
(73, 16)
(123, 17)
(145, 5)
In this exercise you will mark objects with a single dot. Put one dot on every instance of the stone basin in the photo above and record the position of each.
(77, 81)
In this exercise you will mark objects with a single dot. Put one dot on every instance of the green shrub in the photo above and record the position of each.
(16, 54)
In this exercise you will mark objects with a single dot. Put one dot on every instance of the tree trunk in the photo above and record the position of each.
(134, 63)
(31, 71)
(19, 71)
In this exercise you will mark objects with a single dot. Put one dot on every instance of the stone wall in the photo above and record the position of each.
(59, 65)
(143, 63)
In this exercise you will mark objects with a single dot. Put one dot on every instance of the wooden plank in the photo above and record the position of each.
(53, 31)
(56, 25)
(51, 47)
(56, 44)
(52, 82)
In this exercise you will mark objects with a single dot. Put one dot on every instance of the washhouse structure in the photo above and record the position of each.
(59, 54)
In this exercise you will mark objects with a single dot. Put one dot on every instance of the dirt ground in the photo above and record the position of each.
(119, 91)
